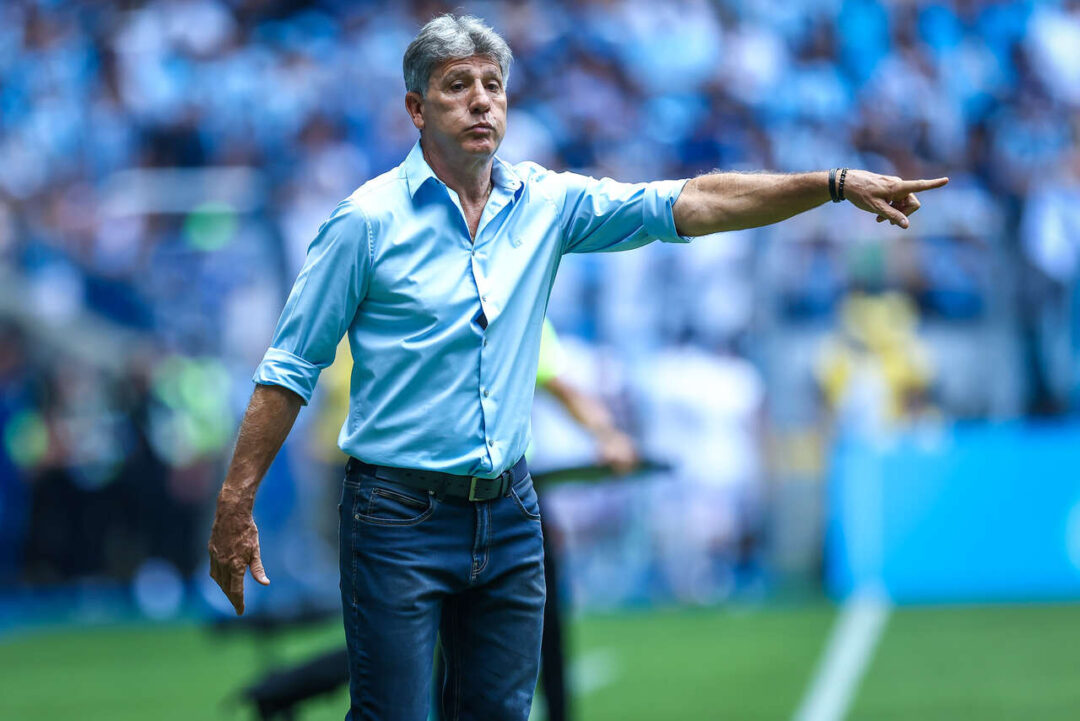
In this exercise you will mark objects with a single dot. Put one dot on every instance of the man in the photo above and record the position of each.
(439, 272)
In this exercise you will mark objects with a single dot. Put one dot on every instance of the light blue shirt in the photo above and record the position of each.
(395, 268)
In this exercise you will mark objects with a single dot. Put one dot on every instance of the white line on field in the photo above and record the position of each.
(847, 655)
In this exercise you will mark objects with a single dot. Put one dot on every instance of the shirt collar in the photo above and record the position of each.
(504, 175)
(418, 172)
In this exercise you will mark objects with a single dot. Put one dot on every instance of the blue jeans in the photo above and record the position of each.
(413, 566)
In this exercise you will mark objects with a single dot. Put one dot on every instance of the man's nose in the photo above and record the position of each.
(480, 102)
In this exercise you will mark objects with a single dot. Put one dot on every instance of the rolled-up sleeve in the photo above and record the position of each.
(322, 304)
(606, 215)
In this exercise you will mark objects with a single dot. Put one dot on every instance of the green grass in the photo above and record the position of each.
(143, 672)
(1018, 662)
(991, 664)
(701, 665)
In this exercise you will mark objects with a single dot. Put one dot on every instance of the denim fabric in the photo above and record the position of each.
(414, 567)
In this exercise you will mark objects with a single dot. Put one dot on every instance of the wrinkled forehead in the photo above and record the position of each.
(481, 65)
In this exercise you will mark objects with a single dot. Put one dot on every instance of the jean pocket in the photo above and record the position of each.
(386, 507)
(524, 495)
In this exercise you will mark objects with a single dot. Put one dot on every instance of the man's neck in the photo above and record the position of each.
(468, 176)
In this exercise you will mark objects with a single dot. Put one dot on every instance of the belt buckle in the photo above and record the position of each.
(472, 488)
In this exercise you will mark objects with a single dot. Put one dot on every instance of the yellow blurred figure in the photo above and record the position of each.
(877, 347)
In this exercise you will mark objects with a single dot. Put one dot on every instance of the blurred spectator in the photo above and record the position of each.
(876, 373)
(1050, 236)
(22, 442)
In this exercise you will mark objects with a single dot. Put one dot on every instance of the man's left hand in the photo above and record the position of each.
(234, 547)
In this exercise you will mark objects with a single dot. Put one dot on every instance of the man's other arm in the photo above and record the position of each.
(234, 539)
(324, 299)
(734, 201)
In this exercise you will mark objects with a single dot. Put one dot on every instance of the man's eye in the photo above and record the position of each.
(494, 87)
(457, 86)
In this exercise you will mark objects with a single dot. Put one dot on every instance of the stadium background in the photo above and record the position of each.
(874, 494)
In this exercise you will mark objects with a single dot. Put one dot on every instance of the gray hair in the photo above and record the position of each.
(449, 37)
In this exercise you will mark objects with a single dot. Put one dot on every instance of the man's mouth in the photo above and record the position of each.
(482, 127)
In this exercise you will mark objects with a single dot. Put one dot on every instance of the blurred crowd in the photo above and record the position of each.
(166, 163)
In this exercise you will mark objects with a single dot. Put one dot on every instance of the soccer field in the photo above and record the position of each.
(985, 663)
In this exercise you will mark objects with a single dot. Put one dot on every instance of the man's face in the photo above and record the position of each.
(465, 107)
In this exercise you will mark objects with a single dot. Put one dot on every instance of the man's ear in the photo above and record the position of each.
(415, 105)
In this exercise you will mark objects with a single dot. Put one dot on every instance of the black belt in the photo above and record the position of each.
(472, 488)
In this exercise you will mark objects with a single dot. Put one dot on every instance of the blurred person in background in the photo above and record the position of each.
(614, 448)
(876, 372)
(23, 437)
(439, 271)
(1050, 238)
(616, 451)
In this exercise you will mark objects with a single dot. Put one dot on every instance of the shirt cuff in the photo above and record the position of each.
(659, 221)
(282, 368)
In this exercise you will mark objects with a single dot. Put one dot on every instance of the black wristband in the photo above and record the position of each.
(840, 185)
(832, 185)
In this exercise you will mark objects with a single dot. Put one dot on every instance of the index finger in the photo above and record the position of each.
(917, 186)
(235, 592)
(231, 586)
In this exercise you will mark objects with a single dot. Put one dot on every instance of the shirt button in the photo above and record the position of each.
(491, 442)
(483, 298)
(486, 393)
(484, 342)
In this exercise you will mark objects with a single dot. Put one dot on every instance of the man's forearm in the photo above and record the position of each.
(269, 418)
(234, 539)
(733, 201)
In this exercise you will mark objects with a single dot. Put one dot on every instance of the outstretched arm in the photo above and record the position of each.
(734, 201)
(234, 539)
